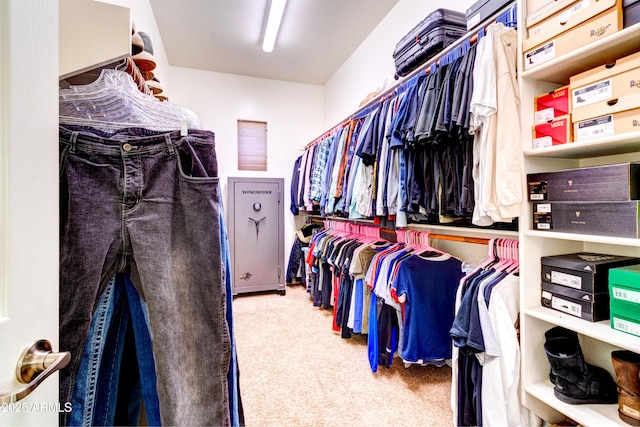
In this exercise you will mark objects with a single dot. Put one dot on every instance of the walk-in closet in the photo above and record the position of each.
(320, 213)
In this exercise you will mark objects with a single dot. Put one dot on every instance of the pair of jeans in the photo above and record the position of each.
(233, 376)
(117, 370)
(147, 203)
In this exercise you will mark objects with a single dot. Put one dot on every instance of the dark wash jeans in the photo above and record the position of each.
(147, 203)
(116, 370)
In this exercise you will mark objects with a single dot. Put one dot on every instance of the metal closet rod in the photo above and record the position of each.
(504, 15)
(388, 231)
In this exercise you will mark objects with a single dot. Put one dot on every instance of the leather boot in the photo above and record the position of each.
(626, 365)
(629, 408)
(578, 382)
(560, 332)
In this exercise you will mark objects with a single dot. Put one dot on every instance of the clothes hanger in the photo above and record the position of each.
(115, 99)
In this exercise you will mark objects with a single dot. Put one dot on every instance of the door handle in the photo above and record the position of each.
(35, 365)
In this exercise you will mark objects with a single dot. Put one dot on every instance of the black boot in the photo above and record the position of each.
(578, 382)
(563, 333)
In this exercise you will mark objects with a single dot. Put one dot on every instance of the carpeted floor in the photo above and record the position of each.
(295, 371)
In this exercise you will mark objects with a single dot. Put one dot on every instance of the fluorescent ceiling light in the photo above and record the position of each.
(273, 24)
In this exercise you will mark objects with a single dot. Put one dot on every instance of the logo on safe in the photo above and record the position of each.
(577, 214)
(570, 182)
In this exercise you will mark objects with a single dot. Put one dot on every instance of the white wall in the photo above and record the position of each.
(372, 63)
(293, 112)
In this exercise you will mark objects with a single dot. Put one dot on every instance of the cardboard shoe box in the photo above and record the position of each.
(539, 10)
(583, 271)
(584, 9)
(613, 219)
(615, 182)
(621, 323)
(555, 132)
(551, 105)
(609, 118)
(579, 32)
(603, 83)
(624, 291)
(587, 306)
(483, 9)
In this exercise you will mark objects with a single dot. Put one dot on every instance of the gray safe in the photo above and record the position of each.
(256, 234)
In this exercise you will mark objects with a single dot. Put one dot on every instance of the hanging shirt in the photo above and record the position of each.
(429, 287)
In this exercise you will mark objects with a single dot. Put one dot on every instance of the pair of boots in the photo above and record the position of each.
(626, 365)
(576, 381)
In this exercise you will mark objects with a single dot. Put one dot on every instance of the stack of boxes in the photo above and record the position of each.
(605, 101)
(624, 293)
(577, 284)
(597, 103)
(552, 122)
(556, 28)
(597, 200)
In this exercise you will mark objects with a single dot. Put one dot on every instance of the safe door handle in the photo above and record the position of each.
(36, 363)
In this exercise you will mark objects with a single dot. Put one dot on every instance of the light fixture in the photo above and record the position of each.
(273, 24)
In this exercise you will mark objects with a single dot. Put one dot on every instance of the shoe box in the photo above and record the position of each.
(605, 100)
(614, 182)
(624, 294)
(577, 283)
(568, 29)
(539, 10)
(482, 9)
(552, 121)
(584, 271)
(585, 305)
(604, 83)
(614, 219)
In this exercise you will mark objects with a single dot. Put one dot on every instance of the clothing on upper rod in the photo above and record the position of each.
(432, 153)
(508, 17)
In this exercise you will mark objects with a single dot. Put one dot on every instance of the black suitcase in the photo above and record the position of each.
(437, 31)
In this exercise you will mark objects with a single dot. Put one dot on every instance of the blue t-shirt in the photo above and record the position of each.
(429, 285)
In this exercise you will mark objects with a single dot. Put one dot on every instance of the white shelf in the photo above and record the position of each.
(600, 331)
(621, 241)
(92, 35)
(600, 338)
(587, 415)
(600, 52)
(617, 144)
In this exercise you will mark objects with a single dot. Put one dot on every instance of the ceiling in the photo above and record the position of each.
(316, 36)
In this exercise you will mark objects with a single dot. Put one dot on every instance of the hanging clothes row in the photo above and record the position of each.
(430, 151)
(486, 348)
(143, 252)
(401, 294)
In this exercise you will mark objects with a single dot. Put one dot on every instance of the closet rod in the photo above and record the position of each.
(391, 235)
(504, 15)
(465, 239)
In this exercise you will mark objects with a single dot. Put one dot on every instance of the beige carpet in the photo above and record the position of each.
(295, 371)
